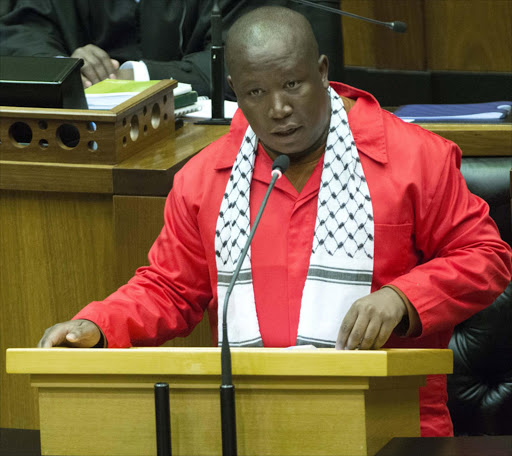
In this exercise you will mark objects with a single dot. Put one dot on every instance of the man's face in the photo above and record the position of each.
(282, 92)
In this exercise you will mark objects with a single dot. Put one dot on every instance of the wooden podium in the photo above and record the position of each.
(288, 402)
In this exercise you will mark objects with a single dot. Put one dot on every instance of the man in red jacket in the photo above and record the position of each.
(371, 240)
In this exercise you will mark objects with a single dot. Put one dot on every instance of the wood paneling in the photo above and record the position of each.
(55, 177)
(374, 46)
(56, 256)
(457, 35)
(469, 35)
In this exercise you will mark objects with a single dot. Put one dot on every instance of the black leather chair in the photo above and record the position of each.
(480, 389)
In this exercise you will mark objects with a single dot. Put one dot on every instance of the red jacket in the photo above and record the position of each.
(433, 240)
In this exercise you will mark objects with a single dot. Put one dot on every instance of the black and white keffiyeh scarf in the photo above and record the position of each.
(341, 264)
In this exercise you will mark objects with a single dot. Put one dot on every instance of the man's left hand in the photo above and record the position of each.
(371, 320)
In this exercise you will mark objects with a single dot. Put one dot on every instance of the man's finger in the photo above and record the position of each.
(97, 63)
(345, 329)
(52, 337)
(90, 66)
(103, 63)
(358, 332)
(371, 335)
(385, 331)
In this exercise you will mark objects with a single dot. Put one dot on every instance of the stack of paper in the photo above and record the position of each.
(112, 92)
(204, 110)
(488, 112)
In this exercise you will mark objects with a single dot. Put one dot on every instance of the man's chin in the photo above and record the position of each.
(294, 152)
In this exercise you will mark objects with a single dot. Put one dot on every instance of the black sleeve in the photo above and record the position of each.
(189, 60)
(30, 28)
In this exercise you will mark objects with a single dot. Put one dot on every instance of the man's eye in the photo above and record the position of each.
(255, 92)
(292, 84)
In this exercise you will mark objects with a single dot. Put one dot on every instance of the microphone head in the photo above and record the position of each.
(281, 163)
(399, 26)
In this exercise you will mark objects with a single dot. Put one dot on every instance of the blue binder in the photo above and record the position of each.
(489, 112)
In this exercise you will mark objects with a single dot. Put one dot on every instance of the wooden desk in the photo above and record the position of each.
(490, 445)
(477, 140)
(288, 402)
(73, 233)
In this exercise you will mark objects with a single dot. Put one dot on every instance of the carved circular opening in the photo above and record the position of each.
(20, 134)
(145, 110)
(68, 136)
(92, 146)
(134, 128)
(145, 129)
(124, 141)
(165, 99)
(91, 126)
(42, 124)
(165, 117)
(43, 143)
(155, 116)
(124, 121)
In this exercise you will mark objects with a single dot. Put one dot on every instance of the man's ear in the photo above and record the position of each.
(323, 68)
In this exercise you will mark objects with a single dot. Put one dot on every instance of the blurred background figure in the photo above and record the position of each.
(139, 39)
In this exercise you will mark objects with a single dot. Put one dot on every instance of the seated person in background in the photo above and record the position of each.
(147, 39)
(371, 240)
(159, 38)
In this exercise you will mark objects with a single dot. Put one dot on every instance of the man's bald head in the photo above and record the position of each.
(280, 81)
(265, 28)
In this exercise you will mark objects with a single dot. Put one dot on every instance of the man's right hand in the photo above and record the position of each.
(97, 64)
(74, 333)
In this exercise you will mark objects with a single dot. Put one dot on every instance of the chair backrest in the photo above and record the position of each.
(480, 389)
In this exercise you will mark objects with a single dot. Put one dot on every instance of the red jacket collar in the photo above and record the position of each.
(365, 120)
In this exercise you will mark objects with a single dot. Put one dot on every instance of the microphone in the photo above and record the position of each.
(227, 389)
(396, 26)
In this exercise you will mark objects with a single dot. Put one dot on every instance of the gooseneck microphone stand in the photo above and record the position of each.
(217, 71)
(396, 26)
(227, 389)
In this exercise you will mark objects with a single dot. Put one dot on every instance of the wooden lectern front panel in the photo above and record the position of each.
(296, 416)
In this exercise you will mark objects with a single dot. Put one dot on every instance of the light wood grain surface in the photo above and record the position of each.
(88, 136)
(288, 402)
(460, 35)
(56, 254)
(253, 361)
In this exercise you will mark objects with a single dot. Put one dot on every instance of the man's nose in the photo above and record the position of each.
(280, 106)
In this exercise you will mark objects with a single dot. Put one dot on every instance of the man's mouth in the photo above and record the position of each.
(287, 131)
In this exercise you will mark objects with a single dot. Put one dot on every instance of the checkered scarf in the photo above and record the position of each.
(341, 263)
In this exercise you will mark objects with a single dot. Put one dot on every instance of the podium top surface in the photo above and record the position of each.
(245, 361)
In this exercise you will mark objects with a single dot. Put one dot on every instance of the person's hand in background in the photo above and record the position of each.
(97, 64)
